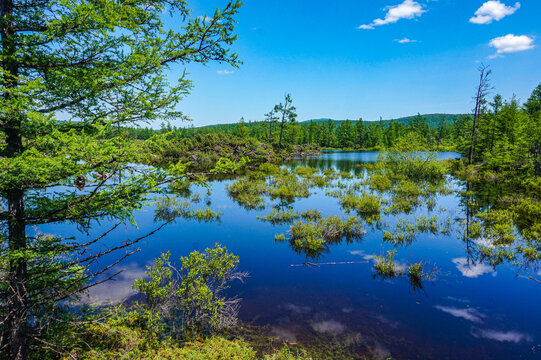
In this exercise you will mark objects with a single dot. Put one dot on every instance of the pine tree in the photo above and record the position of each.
(69, 71)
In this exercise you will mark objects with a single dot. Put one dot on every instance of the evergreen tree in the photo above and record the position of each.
(69, 71)
(287, 113)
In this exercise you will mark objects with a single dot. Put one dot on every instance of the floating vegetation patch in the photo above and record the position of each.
(366, 205)
(277, 216)
(312, 238)
(498, 240)
(249, 192)
(404, 232)
(416, 275)
(169, 209)
(379, 182)
(287, 186)
(386, 267)
(311, 214)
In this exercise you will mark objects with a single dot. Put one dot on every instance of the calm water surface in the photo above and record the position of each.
(469, 311)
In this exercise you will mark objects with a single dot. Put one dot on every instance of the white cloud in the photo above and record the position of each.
(405, 41)
(469, 314)
(512, 43)
(365, 27)
(204, 18)
(471, 270)
(501, 336)
(406, 10)
(493, 10)
(225, 72)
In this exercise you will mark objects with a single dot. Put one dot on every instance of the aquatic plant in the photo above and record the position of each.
(311, 214)
(405, 231)
(189, 300)
(277, 216)
(168, 209)
(287, 186)
(306, 172)
(385, 266)
(416, 275)
(248, 192)
(345, 175)
(403, 234)
(379, 182)
(427, 225)
(366, 205)
(405, 160)
(312, 237)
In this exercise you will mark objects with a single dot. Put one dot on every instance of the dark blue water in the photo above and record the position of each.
(468, 311)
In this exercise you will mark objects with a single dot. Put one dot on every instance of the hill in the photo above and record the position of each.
(432, 119)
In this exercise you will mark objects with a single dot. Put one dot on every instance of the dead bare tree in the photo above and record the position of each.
(480, 100)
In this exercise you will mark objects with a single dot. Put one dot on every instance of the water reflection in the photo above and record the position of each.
(469, 314)
(470, 269)
(340, 306)
(501, 336)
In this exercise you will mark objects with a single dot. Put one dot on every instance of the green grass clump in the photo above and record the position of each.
(277, 216)
(366, 205)
(416, 275)
(307, 171)
(385, 266)
(287, 186)
(379, 182)
(249, 192)
(311, 214)
(313, 237)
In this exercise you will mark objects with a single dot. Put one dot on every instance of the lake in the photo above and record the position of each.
(466, 311)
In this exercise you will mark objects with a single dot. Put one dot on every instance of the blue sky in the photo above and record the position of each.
(325, 54)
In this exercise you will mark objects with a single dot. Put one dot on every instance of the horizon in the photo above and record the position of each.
(361, 59)
(186, 124)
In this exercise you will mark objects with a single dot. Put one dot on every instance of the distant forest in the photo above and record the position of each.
(437, 130)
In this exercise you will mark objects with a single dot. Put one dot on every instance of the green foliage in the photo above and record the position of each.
(416, 275)
(96, 65)
(158, 286)
(277, 216)
(385, 266)
(286, 186)
(311, 215)
(405, 160)
(379, 182)
(169, 209)
(249, 192)
(313, 237)
(188, 301)
(367, 206)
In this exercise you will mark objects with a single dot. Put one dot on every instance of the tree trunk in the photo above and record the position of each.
(475, 117)
(16, 334)
(482, 90)
(17, 297)
(284, 111)
(281, 131)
